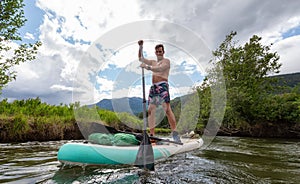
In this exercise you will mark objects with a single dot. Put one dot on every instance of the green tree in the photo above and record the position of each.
(245, 70)
(11, 19)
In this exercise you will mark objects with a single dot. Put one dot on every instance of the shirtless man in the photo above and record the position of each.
(159, 91)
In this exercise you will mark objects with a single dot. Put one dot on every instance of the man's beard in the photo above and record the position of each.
(159, 58)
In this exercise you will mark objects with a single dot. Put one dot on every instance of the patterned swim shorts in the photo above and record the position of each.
(159, 93)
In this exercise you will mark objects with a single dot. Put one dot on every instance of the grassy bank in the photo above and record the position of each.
(26, 128)
(32, 120)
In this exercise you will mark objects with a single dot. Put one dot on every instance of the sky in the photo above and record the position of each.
(89, 50)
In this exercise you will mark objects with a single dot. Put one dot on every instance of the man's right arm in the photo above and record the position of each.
(146, 61)
(140, 55)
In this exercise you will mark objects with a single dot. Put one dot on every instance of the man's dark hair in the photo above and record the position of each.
(160, 45)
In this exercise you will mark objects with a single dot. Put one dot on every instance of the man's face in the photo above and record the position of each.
(159, 53)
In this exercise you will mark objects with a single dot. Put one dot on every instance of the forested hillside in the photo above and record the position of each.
(290, 80)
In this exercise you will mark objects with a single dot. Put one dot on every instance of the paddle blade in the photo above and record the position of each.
(145, 157)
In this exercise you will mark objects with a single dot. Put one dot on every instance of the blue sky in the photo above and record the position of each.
(291, 32)
(69, 29)
(34, 19)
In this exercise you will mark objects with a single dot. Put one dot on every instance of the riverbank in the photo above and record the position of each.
(21, 132)
(265, 130)
(33, 120)
(10, 132)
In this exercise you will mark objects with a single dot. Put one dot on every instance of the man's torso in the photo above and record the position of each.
(161, 75)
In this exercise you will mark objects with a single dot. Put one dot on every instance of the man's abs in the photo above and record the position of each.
(156, 79)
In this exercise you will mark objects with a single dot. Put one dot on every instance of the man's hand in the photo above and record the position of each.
(140, 42)
(147, 67)
(143, 65)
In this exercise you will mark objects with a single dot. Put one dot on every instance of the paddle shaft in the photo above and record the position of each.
(144, 93)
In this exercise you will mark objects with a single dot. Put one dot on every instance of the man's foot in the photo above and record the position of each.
(153, 142)
(175, 136)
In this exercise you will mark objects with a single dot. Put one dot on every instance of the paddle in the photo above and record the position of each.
(145, 157)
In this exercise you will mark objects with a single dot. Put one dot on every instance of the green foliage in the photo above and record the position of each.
(109, 117)
(11, 19)
(131, 121)
(249, 89)
(189, 114)
(20, 126)
(86, 114)
(163, 131)
(245, 69)
(35, 108)
(282, 108)
(204, 92)
(114, 119)
(21, 119)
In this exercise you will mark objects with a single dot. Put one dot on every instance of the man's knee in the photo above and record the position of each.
(167, 108)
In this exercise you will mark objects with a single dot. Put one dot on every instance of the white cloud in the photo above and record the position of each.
(29, 36)
(288, 50)
(125, 57)
(275, 34)
(26, 72)
(214, 19)
(56, 87)
(104, 84)
(81, 20)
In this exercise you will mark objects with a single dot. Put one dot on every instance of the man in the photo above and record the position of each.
(159, 91)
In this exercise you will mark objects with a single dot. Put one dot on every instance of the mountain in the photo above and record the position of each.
(133, 105)
(291, 79)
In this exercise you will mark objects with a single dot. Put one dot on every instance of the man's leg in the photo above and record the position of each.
(170, 116)
(172, 121)
(151, 118)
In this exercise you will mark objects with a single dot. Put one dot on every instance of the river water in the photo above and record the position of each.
(226, 160)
